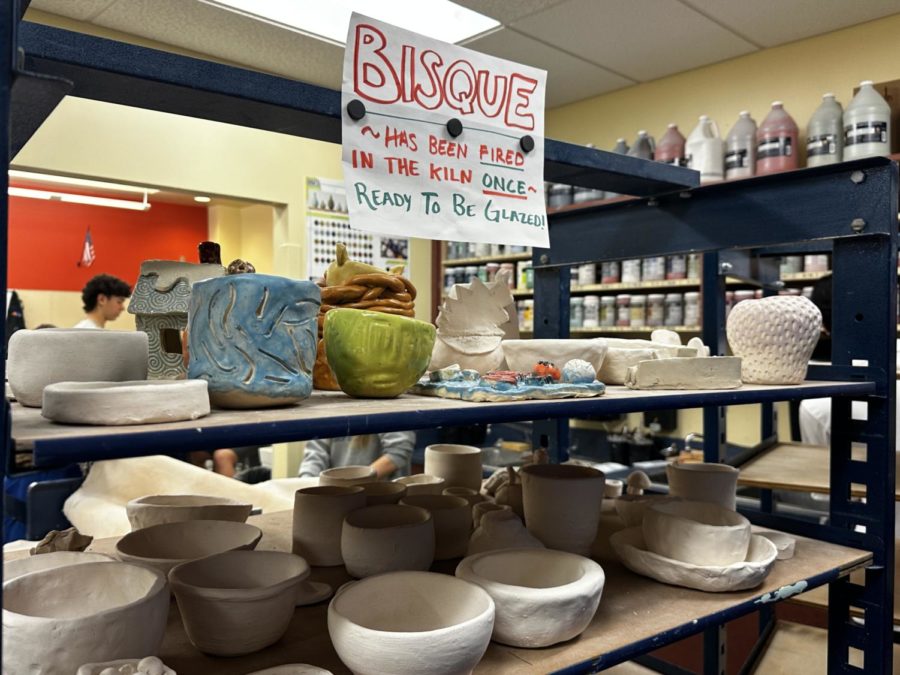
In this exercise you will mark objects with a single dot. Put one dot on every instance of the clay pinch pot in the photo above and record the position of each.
(38, 358)
(387, 538)
(57, 619)
(422, 484)
(347, 475)
(237, 602)
(383, 624)
(158, 509)
(563, 504)
(164, 546)
(698, 533)
(631, 508)
(319, 514)
(542, 597)
(383, 492)
(452, 518)
(48, 561)
(458, 465)
(704, 482)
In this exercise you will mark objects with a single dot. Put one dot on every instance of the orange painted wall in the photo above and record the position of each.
(46, 241)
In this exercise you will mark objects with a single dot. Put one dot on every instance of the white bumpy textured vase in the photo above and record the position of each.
(774, 337)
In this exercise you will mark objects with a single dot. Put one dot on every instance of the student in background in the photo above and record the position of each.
(389, 454)
(104, 299)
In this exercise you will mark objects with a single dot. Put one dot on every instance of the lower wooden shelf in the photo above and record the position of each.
(635, 614)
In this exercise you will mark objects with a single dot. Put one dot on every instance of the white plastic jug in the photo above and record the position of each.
(867, 124)
(705, 151)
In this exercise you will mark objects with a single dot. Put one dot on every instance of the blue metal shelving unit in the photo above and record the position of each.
(852, 205)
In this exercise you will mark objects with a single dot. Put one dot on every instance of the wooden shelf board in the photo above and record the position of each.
(633, 329)
(796, 467)
(632, 611)
(511, 257)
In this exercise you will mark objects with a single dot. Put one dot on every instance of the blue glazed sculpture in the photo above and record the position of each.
(252, 337)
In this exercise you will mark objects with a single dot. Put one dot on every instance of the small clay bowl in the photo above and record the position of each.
(164, 546)
(158, 509)
(237, 602)
(383, 492)
(387, 538)
(699, 533)
(347, 475)
(422, 484)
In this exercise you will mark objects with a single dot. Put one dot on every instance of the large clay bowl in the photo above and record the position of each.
(698, 533)
(238, 602)
(164, 546)
(347, 475)
(158, 509)
(387, 538)
(542, 596)
(383, 492)
(58, 619)
(458, 465)
(409, 623)
(47, 561)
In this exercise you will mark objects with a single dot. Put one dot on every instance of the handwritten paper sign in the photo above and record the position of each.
(407, 174)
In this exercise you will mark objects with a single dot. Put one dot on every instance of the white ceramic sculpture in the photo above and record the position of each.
(480, 509)
(510, 493)
(784, 543)
(149, 665)
(704, 482)
(698, 533)
(472, 496)
(164, 546)
(521, 355)
(774, 337)
(501, 529)
(452, 518)
(701, 372)
(422, 484)
(387, 538)
(237, 602)
(159, 509)
(383, 492)
(383, 624)
(542, 597)
(319, 514)
(56, 620)
(48, 561)
(41, 357)
(562, 505)
(124, 403)
(632, 551)
(470, 326)
(458, 465)
(347, 475)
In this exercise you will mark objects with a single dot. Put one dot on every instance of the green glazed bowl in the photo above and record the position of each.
(376, 355)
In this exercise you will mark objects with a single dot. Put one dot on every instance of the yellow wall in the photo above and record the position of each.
(245, 232)
(62, 309)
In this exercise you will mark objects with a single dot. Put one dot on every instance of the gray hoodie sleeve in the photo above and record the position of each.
(398, 446)
(316, 458)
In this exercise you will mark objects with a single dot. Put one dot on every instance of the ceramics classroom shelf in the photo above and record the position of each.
(606, 330)
(511, 257)
(633, 611)
(329, 414)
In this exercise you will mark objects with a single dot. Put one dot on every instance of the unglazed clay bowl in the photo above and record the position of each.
(58, 619)
(49, 561)
(164, 546)
(631, 508)
(452, 518)
(383, 492)
(458, 465)
(387, 538)
(159, 509)
(347, 475)
(144, 666)
(542, 597)
(422, 484)
(41, 357)
(698, 533)
(376, 355)
(410, 623)
(237, 602)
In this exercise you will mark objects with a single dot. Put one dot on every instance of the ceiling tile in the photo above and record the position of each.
(505, 11)
(569, 78)
(83, 10)
(640, 39)
(773, 22)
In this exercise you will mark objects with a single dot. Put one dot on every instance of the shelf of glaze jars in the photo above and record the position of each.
(509, 257)
(603, 330)
(620, 286)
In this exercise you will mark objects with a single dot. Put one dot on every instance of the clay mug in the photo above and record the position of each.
(458, 465)
(562, 505)
(319, 514)
(704, 482)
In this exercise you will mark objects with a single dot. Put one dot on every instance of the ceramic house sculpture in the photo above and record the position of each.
(160, 304)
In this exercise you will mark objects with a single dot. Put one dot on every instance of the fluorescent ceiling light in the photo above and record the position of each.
(202, 199)
(439, 19)
(79, 182)
(80, 199)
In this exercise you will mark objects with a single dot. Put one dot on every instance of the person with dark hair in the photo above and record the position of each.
(104, 299)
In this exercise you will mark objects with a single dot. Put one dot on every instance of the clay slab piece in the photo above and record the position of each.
(698, 533)
(632, 551)
(458, 465)
(785, 543)
(387, 538)
(237, 602)
(542, 597)
(123, 403)
(452, 517)
(631, 508)
(422, 484)
(347, 475)
(158, 509)
(409, 623)
(164, 546)
(521, 355)
(713, 372)
(618, 361)
(293, 669)
(50, 355)
(149, 665)
(49, 561)
(704, 482)
(56, 620)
